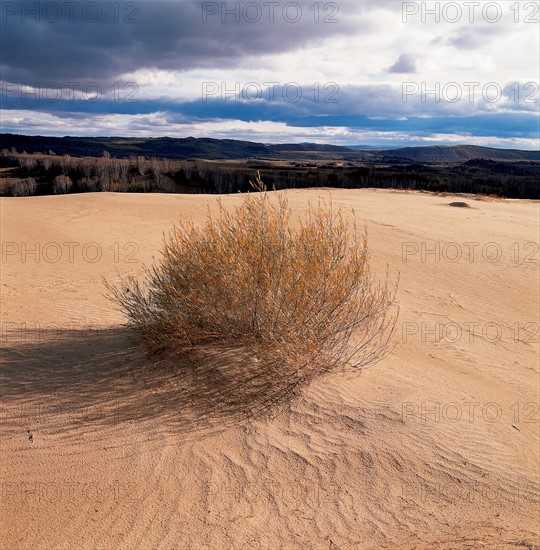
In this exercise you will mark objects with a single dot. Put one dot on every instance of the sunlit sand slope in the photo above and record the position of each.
(435, 447)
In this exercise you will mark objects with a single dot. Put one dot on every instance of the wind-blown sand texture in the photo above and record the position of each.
(435, 447)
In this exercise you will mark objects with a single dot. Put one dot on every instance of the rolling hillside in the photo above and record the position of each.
(228, 149)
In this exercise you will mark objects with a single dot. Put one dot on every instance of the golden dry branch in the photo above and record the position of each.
(297, 299)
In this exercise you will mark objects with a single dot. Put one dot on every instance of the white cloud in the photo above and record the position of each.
(159, 124)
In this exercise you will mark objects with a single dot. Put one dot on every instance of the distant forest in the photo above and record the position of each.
(24, 174)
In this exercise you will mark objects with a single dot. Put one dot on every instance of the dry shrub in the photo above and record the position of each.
(298, 300)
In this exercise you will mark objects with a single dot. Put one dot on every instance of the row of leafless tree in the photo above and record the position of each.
(66, 173)
(48, 174)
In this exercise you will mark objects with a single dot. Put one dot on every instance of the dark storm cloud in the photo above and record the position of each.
(102, 40)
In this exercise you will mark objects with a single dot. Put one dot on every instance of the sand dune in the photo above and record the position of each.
(435, 447)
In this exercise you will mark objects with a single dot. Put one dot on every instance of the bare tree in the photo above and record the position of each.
(23, 188)
(65, 164)
(27, 163)
(188, 168)
(101, 167)
(103, 183)
(141, 165)
(87, 167)
(124, 170)
(89, 184)
(156, 171)
(114, 170)
(167, 184)
(218, 181)
(202, 168)
(62, 184)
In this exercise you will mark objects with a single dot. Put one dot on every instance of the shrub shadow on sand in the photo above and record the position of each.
(79, 384)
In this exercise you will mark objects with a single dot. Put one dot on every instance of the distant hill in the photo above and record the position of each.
(122, 147)
(458, 153)
(320, 147)
(224, 149)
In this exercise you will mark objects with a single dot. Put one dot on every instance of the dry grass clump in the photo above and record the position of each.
(298, 299)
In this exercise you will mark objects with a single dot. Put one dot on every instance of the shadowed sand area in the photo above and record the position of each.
(105, 447)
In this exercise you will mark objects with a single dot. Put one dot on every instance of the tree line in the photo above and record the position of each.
(46, 174)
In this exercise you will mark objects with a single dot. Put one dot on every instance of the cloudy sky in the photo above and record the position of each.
(366, 72)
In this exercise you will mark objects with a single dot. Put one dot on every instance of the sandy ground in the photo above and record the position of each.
(435, 447)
